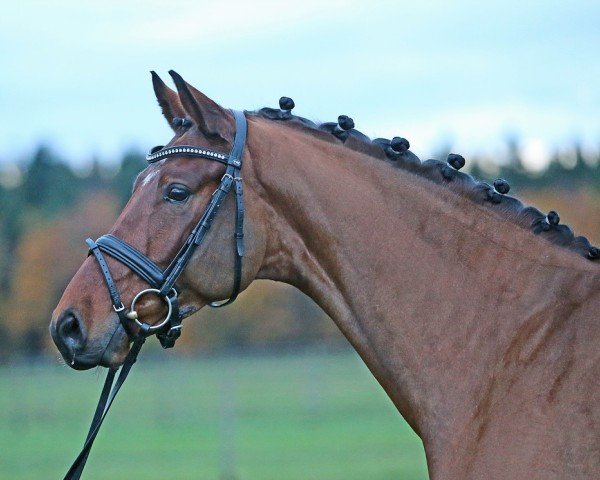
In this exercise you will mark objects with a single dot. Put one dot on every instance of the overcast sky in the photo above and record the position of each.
(75, 74)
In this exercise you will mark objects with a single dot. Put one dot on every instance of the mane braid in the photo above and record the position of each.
(442, 173)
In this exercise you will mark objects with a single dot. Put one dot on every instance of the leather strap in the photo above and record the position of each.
(236, 161)
(239, 217)
(241, 131)
(104, 403)
(168, 338)
(134, 259)
(77, 466)
(113, 291)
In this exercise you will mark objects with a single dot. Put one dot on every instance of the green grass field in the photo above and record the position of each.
(302, 416)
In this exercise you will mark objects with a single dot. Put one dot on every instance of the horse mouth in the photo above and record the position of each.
(82, 364)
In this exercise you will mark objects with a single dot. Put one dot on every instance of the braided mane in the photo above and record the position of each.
(396, 153)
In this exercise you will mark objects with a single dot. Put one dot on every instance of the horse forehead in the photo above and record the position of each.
(171, 167)
(149, 176)
(151, 172)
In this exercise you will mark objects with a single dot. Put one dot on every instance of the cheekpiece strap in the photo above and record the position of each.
(113, 291)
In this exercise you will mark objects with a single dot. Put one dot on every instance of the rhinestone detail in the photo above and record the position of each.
(166, 152)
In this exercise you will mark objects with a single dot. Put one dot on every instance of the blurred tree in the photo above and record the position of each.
(514, 160)
(132, 163)
(267, 314)
(46, 258)
(49, 184)
(32, 291)
(579, 208)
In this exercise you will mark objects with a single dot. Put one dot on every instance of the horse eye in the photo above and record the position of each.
(177, 193)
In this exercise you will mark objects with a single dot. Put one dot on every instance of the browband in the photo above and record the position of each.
(160, 152)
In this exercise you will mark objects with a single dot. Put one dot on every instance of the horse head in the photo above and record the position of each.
(168, 199)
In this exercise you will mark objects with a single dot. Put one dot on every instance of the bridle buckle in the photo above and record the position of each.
(119, 308)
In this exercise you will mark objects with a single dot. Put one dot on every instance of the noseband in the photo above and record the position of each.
(163, 283)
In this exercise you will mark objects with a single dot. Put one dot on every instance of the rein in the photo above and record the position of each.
(163, 283)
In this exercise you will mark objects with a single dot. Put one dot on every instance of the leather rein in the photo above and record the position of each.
(163, 283)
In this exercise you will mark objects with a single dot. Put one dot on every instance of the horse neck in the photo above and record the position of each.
(430, 289)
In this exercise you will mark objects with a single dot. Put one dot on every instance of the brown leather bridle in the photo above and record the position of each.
(163, 283)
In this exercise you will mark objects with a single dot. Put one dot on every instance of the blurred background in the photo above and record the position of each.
(267, 388)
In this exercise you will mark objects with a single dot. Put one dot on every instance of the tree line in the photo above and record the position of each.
(48, 208)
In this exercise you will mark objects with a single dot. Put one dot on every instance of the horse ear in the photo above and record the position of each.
(168, 100)
(211, 119)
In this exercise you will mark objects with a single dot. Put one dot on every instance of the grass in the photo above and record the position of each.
(301, 416)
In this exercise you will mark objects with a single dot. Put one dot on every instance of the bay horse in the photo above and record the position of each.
(477, 315)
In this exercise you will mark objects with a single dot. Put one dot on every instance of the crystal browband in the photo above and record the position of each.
(160, 152)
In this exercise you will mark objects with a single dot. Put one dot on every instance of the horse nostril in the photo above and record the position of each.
(69, 331)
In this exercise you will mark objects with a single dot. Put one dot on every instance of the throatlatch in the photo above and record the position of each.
(163, 283)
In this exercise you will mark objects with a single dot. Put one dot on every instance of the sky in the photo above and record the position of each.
(467, 74)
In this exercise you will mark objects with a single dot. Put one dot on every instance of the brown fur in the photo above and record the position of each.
(484, 336)
(459, 182)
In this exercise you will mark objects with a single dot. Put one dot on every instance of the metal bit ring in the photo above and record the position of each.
(132, 315)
